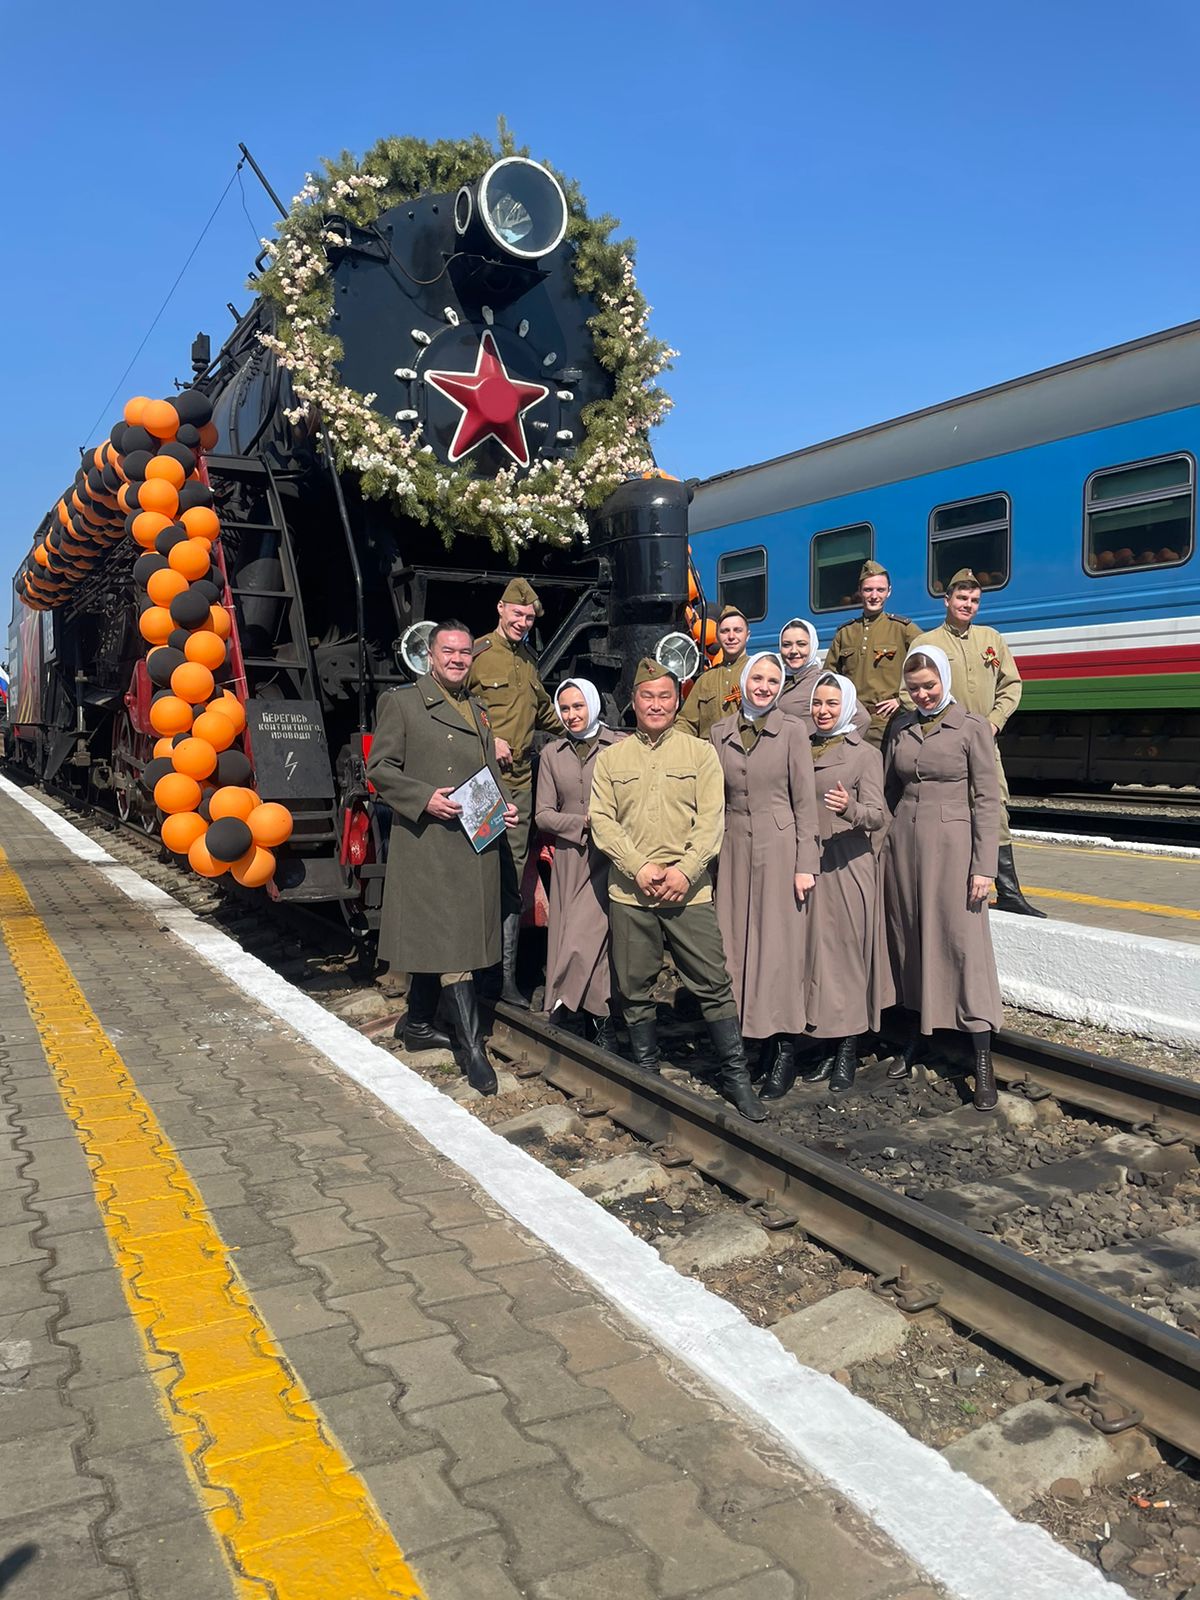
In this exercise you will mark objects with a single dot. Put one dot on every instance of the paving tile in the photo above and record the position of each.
(840, 1556)
(601, 1455)
(324, 1229)
(494, 1244)
(91, 1297)
(108, 1352)
(353, 1268)
(734, 1476)
(407, 1235)
(538, 1385)
(264, 1266)
(67, 1214)
(488, 1328)
(87, 1250)
(366, 1425)
(541, 1520)
(59, 1168)
(31, 1408)
(387, 1316)
(538, 1288)
(419, 1505)
(629, 1576)
(240, 1225)
(442, 1277)
(690, 1549)
(16, 1244)
(282, 1197)
(328, 1362)
(123, 1414)
(653, 1402)
(589, 1339)
(418, 1176)
(773, 1585)
(365, 1202)
(431, 1372)
(291, 1308)
(472, 1570)
(482, 1440)
(41, 1474)
(62, 1561)
(179, 1558)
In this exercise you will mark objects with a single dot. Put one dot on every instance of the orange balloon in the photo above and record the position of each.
(192, 682)
(192, 557)
(230, 706)
(218, 730)
(233, 801)
(194, 757)
(147, 526)
(156, 494)
(160, 418)
(156, 627)
(209, 436)
(135, 408)
(171, 715)
(270, 824)
(200, 861)
(125, 497)
(180, 832)
(219, 621)
(167, 468)
(162, 586)
(175, 791)
(40, 556)
(205, 648)
(166, 745)
(255, 868)
(201, 522)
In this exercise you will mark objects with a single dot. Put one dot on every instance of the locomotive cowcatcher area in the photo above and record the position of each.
(259, 1338)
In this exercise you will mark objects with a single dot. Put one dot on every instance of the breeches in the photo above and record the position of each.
(639, 939)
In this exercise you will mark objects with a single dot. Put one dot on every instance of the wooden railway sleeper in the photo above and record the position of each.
(1089, 1399)
(905, 1292)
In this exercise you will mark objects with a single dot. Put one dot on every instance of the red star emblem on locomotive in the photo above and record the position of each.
(492, 404)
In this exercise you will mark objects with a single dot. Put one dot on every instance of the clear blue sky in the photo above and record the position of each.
(842, 212)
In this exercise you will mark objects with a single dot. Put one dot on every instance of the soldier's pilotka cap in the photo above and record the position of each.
(733, 611)
(520, 592)
(872, 569)
(964, 578)
(649, 671)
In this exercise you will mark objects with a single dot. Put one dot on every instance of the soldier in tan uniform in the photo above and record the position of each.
(870, 650)
(986, 681)
(658, 813)
(504, 678)
(716, 692)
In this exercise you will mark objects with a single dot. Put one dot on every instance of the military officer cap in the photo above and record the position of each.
(520, 592)
(650, 671)
(732, 611)
(964, 578)
(872, 569)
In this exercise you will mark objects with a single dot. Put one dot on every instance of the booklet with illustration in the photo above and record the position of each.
(482, 808)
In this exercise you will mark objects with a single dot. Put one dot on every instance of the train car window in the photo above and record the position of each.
(1141, 515)
(970, 533)
(837, 556)
(742, 582)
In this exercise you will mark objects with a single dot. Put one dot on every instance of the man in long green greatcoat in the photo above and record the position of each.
(441, 900)
(658, 813)
(504, 678)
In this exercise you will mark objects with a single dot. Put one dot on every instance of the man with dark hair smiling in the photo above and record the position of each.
(441, 901)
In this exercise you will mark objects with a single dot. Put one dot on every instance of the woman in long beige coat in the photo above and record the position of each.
(769, 862)
(578, 980)
(800, 651)
(848, 946)
(938, 863)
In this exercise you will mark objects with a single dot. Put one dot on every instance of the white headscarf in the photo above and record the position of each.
(845, 721)
(753, 713)
(814, 646)
(938, 657)
(591, 699)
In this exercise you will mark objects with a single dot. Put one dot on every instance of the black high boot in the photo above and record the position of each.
(643, 1044)
(1008, 888)
(510, 930)
(781, 1074)
(600, 1030)
(733, 1074)
(761, 1060)
(902, 1066)
(845, 1065)
(820, 1070)
(418, 1031)
(985, 1073)
(468, 1036)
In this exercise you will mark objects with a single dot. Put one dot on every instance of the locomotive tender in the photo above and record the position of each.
(459, 315)
(1070, 492)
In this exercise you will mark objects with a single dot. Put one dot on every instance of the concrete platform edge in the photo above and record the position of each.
(955, 1529)
(1103, 842)
(1111, 980)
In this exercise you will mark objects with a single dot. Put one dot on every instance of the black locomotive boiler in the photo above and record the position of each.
(465, 324)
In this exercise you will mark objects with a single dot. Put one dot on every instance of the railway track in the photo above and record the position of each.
(1112, 821)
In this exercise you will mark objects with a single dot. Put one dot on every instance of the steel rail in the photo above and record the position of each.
(1056, 1324)
(1131, 827)
(1117, 1089)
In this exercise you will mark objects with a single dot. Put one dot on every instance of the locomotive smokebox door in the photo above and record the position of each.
(291, 757)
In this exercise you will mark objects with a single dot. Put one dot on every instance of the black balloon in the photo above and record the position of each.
(188, 609)
(194, 494)
(116, 436)
(228, 839)
(208, 589)
(169, 538)
(146, 566)
(204, 809)
(189, 435)
(177, 638)
(193, 407)
(178, 452)
(136, 462)
(156, 769)
(144, 603)
(95, 481)
(178, 738)
(112, 479)
(138, 438)
(233, 768)
(162, 664)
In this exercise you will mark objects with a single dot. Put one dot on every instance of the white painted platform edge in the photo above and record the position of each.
(1103, 842)
(952, 1527)
(1148, 987)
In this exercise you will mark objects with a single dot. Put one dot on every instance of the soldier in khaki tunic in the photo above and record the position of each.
(441, 901)
(871, 649)
(658, 812)
(717, 692)
(987, 682)
(504, 677)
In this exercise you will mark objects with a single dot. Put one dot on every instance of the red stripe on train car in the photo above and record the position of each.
(1112, 663)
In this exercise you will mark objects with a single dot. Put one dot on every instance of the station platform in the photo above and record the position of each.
(278, 1319)
(1150, 894)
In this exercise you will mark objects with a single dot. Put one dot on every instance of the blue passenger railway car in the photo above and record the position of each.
(1070, 492)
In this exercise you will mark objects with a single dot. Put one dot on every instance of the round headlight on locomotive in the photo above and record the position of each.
(520, 205)
(679, 653)
(413, 648)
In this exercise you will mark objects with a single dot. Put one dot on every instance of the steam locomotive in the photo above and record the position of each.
(458, 313)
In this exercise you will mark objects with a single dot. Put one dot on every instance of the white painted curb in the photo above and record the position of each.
(1149, 987)
(952, 1527)
(1091, 841)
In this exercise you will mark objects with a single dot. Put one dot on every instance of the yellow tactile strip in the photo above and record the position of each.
(293, 1518)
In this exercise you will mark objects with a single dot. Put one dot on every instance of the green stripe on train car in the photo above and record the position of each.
(1137, 692)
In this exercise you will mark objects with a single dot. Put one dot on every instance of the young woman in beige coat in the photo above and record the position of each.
(847, 932)
(800, 652)
(938, 862)
(769, 861)
(578, 980)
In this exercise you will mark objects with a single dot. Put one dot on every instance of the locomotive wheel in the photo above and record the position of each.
(131, 751)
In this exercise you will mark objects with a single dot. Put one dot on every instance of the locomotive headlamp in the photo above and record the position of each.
(521, 206)
(679, 654)
(413, 648)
